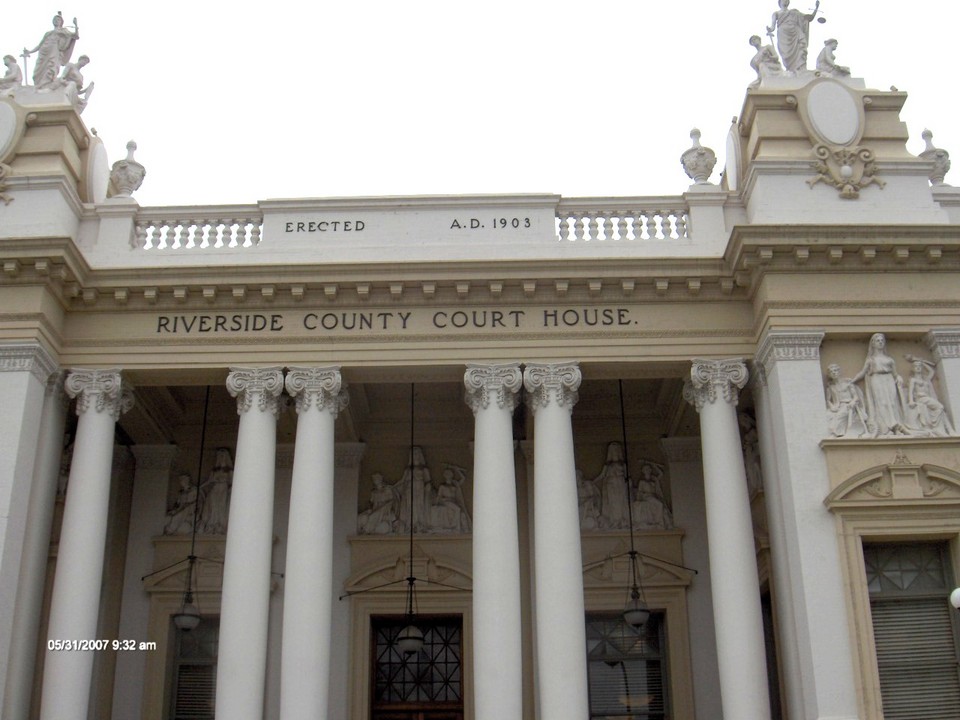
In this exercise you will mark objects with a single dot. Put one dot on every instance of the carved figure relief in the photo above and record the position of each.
(215, 496)
(433, 509)
(886, 406)
(180, 516)
(608, 500)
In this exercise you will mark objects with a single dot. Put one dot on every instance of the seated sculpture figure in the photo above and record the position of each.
(765, 61)
(380, 517)
(72, 81)
(924, 411)
(846, 413)
(649, 507)
(827, 63)
(180, 516)
(12, 78)
(448, 513)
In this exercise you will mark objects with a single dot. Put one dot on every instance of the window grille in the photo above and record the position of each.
(195, 671)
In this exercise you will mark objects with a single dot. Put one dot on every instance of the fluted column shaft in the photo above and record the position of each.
(713, 390)
(308, 580)
(245, 597)
(491, 392)
(36, 551)
(561, 634)
(74, 610)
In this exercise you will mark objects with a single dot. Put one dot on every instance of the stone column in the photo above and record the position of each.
(818, 672)
(102, 397)
(31, 434)
(491, 392)
(245, 595)
(308, 580)
(560, 623)
(713, 390)
(945, 345)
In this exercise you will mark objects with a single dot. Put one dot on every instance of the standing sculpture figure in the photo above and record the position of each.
(793, 35)
(53, 52)
(588, 498)
(827, 62)
(215, 496)
(614, 511)
(883, 390)
(927, 413)
(415, 489)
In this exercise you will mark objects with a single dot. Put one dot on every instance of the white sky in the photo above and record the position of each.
(233, 104)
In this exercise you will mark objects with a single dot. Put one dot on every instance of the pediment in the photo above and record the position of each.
(897, 483)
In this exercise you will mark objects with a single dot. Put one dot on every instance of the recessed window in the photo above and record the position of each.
(195, 671)
(914, 629)
(627, 669)
(427, 685)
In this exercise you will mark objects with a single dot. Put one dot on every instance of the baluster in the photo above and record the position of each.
(210, 233)
(681, 218)
(232, 229)
(656, 225)
(255, 232)
(576, 227)
(187, 238)
(217, 234)
(603, 223)
(668, 225)
(622, 225)
(139, 237)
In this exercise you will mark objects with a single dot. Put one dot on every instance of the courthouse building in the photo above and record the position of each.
(412, 457)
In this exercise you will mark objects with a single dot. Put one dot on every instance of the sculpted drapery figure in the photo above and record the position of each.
(72, 80)
(793, 35)
(827, 62)
(765, 61)
(649, 507)
(846, 412)
(415, 488)
(381, 516)
(12, 77)
(612, 484)
(588, 498)
(925, 412)
(448, 513)
(883, 390)
(53, 52)
(215, 496)
(180, 516)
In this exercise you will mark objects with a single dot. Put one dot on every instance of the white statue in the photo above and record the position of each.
(12, 78)
(180, 516)
(884, 390)
(612, 484)
(215, 496)
(793, 35)
(415, 489)
(53, 52)
(448, 512)
(71, 79)
(588, 497)
(649, 507)
(765, 61)
(380, 517)
(925, 412)
(827, 63)
(846, 411)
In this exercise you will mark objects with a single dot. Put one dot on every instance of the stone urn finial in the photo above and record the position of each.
(698, 162)
(940, 158)
(127, 174)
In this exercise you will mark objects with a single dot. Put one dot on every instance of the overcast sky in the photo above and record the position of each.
(232, 103)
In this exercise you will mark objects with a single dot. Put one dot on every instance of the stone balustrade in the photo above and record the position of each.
(212, 228)
(656, 218)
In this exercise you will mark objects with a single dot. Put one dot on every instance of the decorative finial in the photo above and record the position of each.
(698, 162)
(940, 159)
(127, 174)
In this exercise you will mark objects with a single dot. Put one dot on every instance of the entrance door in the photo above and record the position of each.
(427, 685)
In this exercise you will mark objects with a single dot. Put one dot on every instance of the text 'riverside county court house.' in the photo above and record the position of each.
(485, 457)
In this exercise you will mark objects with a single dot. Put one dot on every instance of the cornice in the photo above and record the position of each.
(777, 346)
(27, 357)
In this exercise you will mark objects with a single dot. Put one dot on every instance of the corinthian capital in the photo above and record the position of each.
(320, 386)
(264, 383)
(712, 379)
(99, 390)
(557, 381)
(499, 382)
